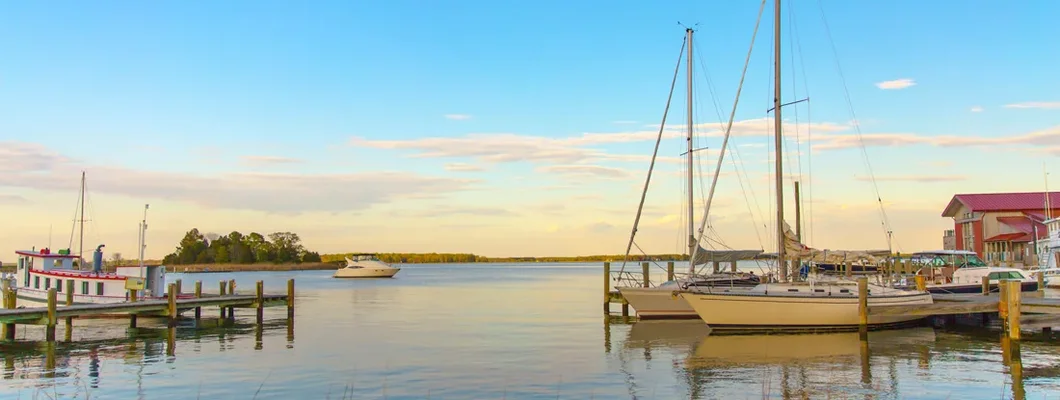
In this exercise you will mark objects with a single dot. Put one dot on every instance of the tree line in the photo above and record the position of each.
(236, 248)
(419, 258)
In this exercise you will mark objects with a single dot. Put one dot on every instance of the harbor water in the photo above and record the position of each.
(502, 331)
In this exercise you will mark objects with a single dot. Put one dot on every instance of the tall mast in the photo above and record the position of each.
(778, 137)
(143, 239)
(81, 240)
(691, 196)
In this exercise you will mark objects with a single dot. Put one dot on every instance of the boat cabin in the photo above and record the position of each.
(37, 271)
(941, 264)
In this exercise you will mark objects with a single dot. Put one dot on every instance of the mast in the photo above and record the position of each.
(778, 137)
(81, 240)
(691, 196)
(143, 239)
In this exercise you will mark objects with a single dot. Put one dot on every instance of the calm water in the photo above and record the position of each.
(501, 331)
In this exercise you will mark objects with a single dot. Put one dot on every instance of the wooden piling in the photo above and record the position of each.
(1041, 282)
(1002, 302)
(863, 301)
(290, 299)
(68, 334)
(986, 285)
(669, 271)
(607, 289)
(260, 303)
(1014, 303)
(9, 303)
(49, 331)
(232, 291)
(222, 293)
(198, 295)
(847, 268)
(172, 294)
(644, 274)
(921, 285)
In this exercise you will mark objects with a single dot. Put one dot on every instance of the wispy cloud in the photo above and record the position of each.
(914, 178)
(12, 199)
(268, 160)
(1048, 105)
(1044, 137)
(457, 117)
(586, 170)
(896, 84)
(45, 169)
(976, 109)
(463, 167)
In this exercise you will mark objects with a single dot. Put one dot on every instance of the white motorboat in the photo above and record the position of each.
(366, 266)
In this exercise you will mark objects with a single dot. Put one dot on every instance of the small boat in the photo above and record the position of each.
(366, 266)
(962, 271)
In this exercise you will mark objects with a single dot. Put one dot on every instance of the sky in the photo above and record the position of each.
(514, 128)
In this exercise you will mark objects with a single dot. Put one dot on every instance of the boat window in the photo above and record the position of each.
(58, 286)
(993, 276)
(818, 290)
(47, 283)
(844, 290)
(793, 290)
(84, 287)
(99, 288)
(36, 282)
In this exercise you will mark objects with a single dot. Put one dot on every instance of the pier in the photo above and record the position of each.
(170, 308)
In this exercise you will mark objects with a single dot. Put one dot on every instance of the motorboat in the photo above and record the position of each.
(365, 266)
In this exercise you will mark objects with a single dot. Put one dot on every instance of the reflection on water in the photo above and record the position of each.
(500, 331)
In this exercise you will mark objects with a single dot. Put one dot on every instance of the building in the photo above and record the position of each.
(949, 240)
(1001, 227)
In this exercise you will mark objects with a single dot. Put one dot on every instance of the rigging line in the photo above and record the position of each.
(885, 222)
(728, 131)
(808, 185)
(651, 166)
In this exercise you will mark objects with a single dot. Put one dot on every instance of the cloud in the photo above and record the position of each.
(976, 109)
(12, 199)
(896, 84)
(450, 210)
(462, 167)
(1048, 105)
(44, 169)
(586, 170)
(915, 178)
(1044, 137)
(457, 117)
(268, 160)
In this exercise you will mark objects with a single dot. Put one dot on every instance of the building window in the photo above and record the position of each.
(84, 287)
(47, 283)
(968, 231)
(58, 285)
(99, 288)
(36, 282)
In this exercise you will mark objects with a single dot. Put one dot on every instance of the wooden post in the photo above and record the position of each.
(986, 285)
(232, 286)
(9, 303)
(1041, 283)
(669, 271)
(260, 292)
(1014, 303)
(49, 331)
(179, 287)
(849, 265)
(222, 292)
(69, 302)
(607, 290)
(644, 274)
(172, 304)
(290, 299)
(133, 294)
(1002, 302)
(198, 295)
(863, 301)
(921, 285)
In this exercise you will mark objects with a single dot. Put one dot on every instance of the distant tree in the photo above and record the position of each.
(311, 256)
(116, 258)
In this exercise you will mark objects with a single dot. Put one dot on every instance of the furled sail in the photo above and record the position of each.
(704, 256)
(794, 248)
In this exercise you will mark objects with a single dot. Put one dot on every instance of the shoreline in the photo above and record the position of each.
(256, 267)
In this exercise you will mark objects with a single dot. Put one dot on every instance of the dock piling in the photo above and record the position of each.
(986, 286)
(9, 303)
(198, 295)
(49, 331)
(644, 274)
(290, 299)
(260, 301)
(1041, 283)
(179, 287)
(669, 271)
(607, 287)
(221, 291)
(1002, 302)
(231, 291)
(1014, 303)
(68, 334)
(921, 285)
(863, 301)
(172, 304)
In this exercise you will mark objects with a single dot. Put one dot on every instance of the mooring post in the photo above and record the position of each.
(863, 301)
(607, 288)
(260, 301)
(1002, 302)
(921, 285)
(68, 335)
(198, 295)
(849, 268)
(49, 331)
(644, 274)
(290, 299)
(179, 287)
(986, 285)
(669, 271)
(1041, 283)
(1014, 303)
(222, 293)
(172, 304)
(232, 286)
(9, 303)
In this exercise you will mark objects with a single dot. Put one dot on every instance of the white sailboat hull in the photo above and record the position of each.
(779, 310)
(657, 303)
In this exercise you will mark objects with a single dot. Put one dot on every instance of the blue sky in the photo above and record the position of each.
(281, 116)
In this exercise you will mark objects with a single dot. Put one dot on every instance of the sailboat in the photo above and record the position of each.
(794, 304)
(658, 301)
(40, 270)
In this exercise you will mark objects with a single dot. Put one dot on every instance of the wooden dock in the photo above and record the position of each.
(171, 308)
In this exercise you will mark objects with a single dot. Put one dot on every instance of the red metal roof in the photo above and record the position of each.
(1001, 202)
(1010, 237)
(1022, 224)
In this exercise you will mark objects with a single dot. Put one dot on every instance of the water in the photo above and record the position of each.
(531, 331)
